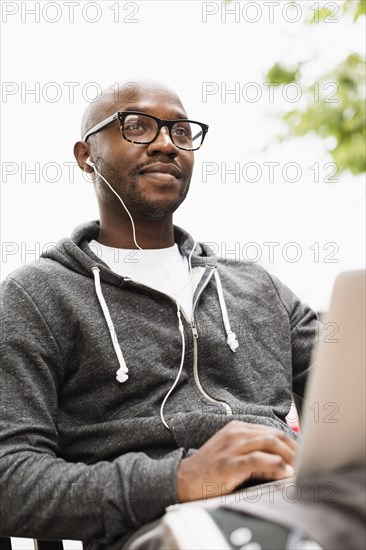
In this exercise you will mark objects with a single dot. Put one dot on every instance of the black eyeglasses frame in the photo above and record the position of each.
(122, 115)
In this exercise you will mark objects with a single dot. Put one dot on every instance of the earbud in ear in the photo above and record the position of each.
(89, 162)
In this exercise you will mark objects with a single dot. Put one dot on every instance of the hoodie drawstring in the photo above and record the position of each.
(231, 341)
(121, 374)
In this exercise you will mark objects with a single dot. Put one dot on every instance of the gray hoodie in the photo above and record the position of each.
(83, 456)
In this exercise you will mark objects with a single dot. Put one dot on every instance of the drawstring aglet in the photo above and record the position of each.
(121, 375)
(232, 341)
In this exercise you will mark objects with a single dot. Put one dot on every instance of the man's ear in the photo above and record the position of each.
(81, 153)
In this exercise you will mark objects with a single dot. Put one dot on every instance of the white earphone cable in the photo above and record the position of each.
(90, 163)
(180, 324)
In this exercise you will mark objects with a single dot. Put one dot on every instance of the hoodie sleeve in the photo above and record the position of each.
(42, 495)
(303, 326)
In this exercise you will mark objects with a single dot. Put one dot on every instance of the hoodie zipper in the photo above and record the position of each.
(193, 326)
(195, 351)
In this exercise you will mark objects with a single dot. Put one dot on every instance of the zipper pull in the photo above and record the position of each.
(181, 328)
(228, 409)
(194, 329)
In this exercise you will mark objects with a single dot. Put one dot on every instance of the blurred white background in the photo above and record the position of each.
(67, 63)
(187, 45)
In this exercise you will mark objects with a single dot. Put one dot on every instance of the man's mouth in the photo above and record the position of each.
(162, 168)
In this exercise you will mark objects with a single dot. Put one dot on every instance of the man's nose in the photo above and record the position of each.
(163, 143)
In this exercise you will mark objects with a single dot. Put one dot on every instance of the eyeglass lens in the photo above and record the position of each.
(143, 129)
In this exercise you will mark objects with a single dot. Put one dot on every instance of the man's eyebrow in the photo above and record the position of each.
(149, 111)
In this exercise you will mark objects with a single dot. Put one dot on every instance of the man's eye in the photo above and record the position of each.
(134, 126)
(181, 131)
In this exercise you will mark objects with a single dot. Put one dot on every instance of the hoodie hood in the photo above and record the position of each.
(76, 254)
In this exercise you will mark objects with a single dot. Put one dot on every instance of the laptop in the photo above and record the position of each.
(333, 422)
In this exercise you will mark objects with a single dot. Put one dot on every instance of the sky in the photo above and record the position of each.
(252, 198)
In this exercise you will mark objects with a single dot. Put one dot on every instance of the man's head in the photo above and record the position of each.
(152, 179)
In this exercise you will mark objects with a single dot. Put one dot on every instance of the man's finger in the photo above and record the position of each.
(268, 443)
(245, 429)
(263, 465)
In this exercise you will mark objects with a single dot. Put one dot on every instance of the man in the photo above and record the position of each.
(124, 386)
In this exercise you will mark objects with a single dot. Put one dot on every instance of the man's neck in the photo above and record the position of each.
(149, 233)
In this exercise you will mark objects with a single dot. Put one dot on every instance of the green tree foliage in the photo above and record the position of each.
(283, 75)
(358, 7)
(335, 105)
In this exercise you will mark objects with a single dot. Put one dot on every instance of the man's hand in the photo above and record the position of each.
(236, 453)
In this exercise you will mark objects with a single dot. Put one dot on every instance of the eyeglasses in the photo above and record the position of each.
(143, 129)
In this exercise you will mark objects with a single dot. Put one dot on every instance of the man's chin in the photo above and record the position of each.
(155, 207)
(157, 210)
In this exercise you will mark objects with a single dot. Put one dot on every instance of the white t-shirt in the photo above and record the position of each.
(163, 269)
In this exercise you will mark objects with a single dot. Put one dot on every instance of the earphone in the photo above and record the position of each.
(89, 162)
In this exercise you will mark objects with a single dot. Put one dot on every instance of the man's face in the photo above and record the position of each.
(152, 179)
